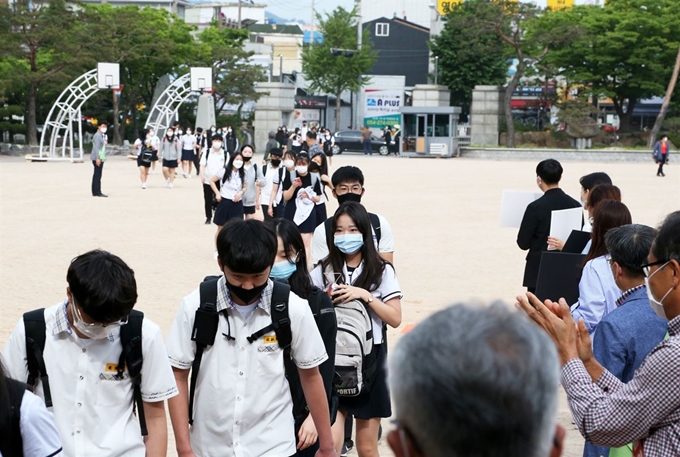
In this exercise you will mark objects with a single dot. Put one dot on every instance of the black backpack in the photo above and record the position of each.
(375, 223)
(205, 327)
(130, 357)
(11, 442)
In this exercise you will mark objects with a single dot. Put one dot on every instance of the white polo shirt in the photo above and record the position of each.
(232, 186)
(387, 289)
(92, 408)
(243, 406)
(320, 248)
(213, 162)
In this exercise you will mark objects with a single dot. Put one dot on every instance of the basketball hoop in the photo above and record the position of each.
(208, 91)
(117, 90)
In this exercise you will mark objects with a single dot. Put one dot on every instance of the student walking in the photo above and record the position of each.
(230, 193)
(355, 271)
(662, 151)
(290, 267)
(100, 361)
(231, 143)
(98, 157)
(188, 154)
(319, 166)
(156, 144)
(296, 141)
(145, 153)
(327, 143)
(170, 154)
(201, 145)
(213, 160)
(272, 207)
(254, 182)
(301, 198)
(239, 401)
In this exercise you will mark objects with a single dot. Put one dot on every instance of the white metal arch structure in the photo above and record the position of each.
(163, 112)
(64, 113)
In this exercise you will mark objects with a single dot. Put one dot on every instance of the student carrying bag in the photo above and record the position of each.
(130, 357)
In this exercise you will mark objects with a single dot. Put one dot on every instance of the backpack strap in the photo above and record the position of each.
(34, 325)
(280, 319)
(375, 222)
(204, 331)
(132, 358)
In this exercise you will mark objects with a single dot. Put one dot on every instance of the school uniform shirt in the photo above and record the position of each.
(270, 176)
(387, 290)
(232, 186)
(92, 408)
(320, 247)
(39, 435)
(188, 142)
(243, 405)
(213, 162)
(597, 293)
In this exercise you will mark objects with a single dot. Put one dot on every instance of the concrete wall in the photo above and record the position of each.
(485, 112)
(272, 110)
(429, 95)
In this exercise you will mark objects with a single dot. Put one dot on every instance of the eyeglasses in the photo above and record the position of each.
(647, 267)
(79, 316)
(355, 189)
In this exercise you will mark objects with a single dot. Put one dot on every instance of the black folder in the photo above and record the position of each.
(576, 242)
(559, 275)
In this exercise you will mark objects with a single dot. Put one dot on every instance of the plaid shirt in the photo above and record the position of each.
(61, 323)
(627, 294)
(611, 413)
(224, 300)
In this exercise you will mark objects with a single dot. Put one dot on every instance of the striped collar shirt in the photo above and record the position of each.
(224, 300)
(646, 409)
(61, 323)
(627, 294)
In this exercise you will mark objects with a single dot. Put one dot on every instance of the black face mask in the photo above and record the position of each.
(349, 197)
(246, 158)
(247, 296)
(276, 162)
(314, 167)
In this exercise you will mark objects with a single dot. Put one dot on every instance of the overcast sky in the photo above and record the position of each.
(302, 9)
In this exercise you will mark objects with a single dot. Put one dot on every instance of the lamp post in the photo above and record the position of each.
(281, 67)
(436, 69)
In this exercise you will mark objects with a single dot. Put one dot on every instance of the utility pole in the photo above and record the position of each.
(281, 67)
(311, 30)
(239, 15)
(436, 69)
(271, 64)
(360, 34)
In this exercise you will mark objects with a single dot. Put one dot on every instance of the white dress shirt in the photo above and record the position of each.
(242, 405)
(92, 408)
(597, 293)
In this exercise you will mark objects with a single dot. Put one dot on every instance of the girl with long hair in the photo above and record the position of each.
(319, 165)
(290, 266)
(358, 271)
(301, 198)
(230, 194)
(598, 291)
(144, 145)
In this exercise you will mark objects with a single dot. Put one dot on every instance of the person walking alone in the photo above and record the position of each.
(366, 140)
(662, 150)
(98, 157)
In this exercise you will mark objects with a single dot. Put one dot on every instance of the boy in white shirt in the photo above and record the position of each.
(242, 403)
(212, 161)
(92, 395)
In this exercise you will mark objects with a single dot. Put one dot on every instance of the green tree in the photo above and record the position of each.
(626, 52)
(234, 76)
(469, 55)
(335, 74)
(43, 40)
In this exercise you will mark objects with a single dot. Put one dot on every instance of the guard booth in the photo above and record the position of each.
(429, 131)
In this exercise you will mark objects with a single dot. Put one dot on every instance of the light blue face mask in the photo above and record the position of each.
(283, 270)
(349, 243)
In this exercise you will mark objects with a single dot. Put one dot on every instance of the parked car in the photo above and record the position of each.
(350, 140)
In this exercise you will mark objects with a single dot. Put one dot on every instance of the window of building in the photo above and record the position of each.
(382, 29)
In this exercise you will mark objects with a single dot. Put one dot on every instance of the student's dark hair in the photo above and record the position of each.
(102, 123)
(297, 130)
(102, 285)
(323, 168)
(247, 247)
(374, 265)
(143, 133)
(603, 192)
(290, 154)
(6, 412)
(252, 148)
(276, 152)
(629, 246)
(311, 135)
(608, 215)
(302, 157)
(666, 246)
(300, 282)
(229, 168)
(594, 179)
(199, 129)
(347, 174)
(550, 171)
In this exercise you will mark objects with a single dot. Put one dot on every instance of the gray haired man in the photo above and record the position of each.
(476, 381)
(98, 157)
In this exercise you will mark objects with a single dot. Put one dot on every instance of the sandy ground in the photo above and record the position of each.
(444, 213)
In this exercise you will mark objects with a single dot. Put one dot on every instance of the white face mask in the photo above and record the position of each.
(103, 130)
(238, 164)
(212, 129)
(217, 145)
(657, 306)
(301, 169)
(288, 163)
(180, 132)
(93, 332)
(188, 132)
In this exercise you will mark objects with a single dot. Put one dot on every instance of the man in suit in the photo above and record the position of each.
(535, 227)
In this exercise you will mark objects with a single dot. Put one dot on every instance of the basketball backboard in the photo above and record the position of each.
(201, 79)
(108, 75)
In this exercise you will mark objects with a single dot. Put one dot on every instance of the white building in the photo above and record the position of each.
(285, 44)
(202, 14)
